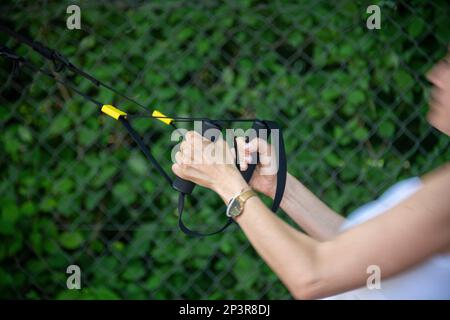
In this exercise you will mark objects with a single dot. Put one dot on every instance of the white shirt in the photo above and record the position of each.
(428, 280)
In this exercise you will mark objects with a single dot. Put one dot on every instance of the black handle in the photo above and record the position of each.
(185, 186)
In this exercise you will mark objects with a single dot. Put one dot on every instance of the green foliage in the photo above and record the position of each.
(74, 190)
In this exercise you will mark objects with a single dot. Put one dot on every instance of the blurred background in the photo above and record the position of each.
(74, 189)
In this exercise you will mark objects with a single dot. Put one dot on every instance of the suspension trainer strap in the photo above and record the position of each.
(194, 233)
(19, 61)
(137, 138)
(121, 116)
(107, 109)
(281, 163)
(60, 62)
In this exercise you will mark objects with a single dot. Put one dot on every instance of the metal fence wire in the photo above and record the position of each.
(75, 190)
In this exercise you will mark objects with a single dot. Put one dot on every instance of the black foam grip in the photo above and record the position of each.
(183, 186)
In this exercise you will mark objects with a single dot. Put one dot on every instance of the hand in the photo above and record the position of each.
(264, 178)
(209, 164)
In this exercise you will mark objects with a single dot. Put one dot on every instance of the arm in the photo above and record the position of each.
(309, 212)
(312, 269)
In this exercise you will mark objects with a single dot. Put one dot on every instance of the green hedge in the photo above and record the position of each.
(74, 189)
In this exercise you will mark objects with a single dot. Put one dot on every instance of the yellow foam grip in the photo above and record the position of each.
(161, 117)
(112, 111)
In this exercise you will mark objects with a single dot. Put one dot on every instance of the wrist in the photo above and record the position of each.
(227, 189)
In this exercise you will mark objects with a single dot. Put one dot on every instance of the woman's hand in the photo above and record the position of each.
(264, 178)
(209, 164)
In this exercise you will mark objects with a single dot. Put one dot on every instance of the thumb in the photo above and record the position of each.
(259, 145)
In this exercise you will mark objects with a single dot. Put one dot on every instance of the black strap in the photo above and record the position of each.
(60, 62)
(55, 56)
(136, 137)
(21, 61)
(194, 233)
(282, 165)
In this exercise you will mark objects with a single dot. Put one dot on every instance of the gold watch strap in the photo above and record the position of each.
(244, 196)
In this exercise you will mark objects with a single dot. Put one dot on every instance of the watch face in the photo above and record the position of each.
(234, 208)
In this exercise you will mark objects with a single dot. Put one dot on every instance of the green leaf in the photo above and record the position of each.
(403, 80)
(105, 174)
(333, 159)
(386, 129)
(356, 97)
(346, 51)
(295, 38)
(122, 192)
(134, 272)
(361, 134)
(87, 43)
(185, 34)
(24, 134)
(59, 125)
(71, 240)
(330, 93)
(10, 212)
(104, 293)
(87, 136)
(228, 76)
(137, 164)
(416, 27)
(29, 208)
(63, 186)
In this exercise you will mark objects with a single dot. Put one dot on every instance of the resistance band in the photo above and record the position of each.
(184, 187)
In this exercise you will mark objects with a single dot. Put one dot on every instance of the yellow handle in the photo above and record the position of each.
(161, 117)
(112, 111)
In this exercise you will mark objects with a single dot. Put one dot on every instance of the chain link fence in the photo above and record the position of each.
(75, 190)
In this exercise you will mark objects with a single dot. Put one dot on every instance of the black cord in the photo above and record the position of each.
(19, 60)
(57, 57)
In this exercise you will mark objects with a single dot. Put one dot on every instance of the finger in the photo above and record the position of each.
(182, 146)
(176, 168)
(189, 136)
(233, 153)
(259, 145)
(241, 153)
(187, 149)
(194, 135)
(265, 160)
(179, 158)
(183, 164)
(182, 171)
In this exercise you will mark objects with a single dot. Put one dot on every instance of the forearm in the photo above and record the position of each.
(313, 269)
(288, 252)
(308, 211)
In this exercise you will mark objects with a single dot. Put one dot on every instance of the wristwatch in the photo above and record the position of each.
(236, 204)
